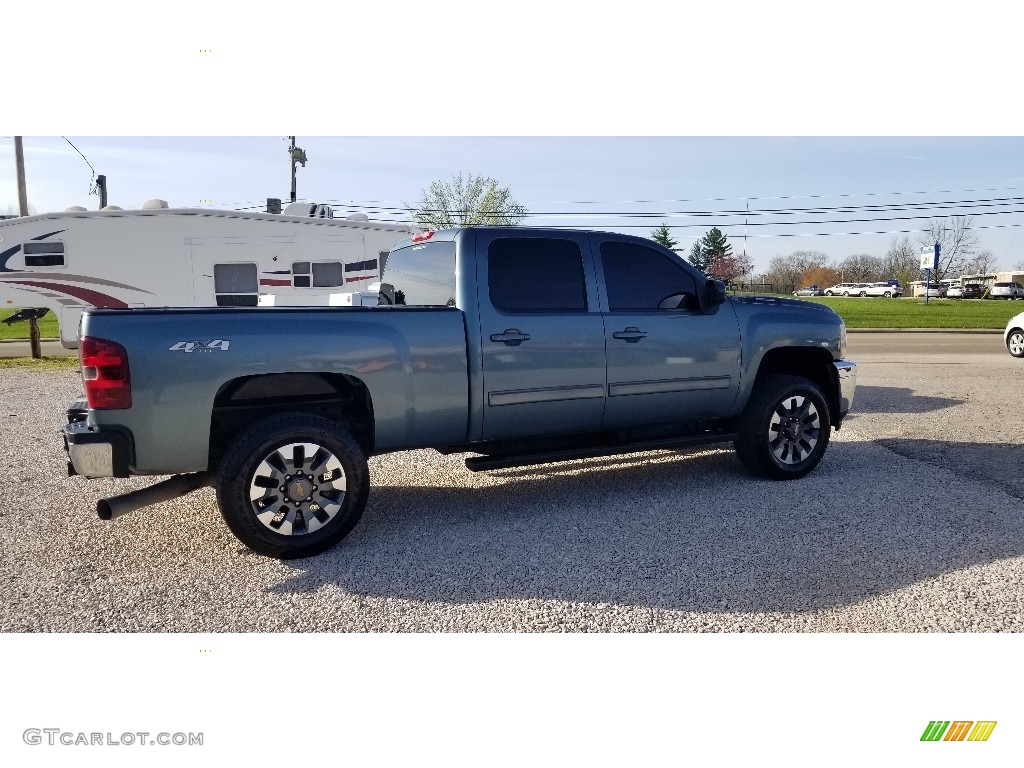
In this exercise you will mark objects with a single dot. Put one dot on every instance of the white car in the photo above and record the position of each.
(933, 291)
(880, 289)
(1006, 291)
(955, 292)
(1014, 335)
(845, 289)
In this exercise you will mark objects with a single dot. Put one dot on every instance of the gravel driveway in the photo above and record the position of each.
(913, 522)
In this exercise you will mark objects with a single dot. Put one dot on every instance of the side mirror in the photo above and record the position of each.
(714, 294)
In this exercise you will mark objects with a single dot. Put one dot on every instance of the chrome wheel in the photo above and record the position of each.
(1015, 343)
(794, 429)
(297, 489)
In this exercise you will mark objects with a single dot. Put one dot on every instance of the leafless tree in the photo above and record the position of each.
(902, 261)
(982, 263)
(957, 243)
(13, 210)
(862, 267)
(790, 269)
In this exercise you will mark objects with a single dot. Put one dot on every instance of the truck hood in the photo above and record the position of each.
(766, 301)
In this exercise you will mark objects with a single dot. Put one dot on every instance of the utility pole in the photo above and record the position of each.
(19, 161)
(297, 156)
(101, 187)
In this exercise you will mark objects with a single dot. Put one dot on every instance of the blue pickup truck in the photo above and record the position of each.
(515, 345)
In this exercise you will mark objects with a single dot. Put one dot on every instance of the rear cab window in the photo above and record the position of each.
(423, 273)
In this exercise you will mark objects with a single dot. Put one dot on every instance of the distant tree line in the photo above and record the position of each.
(959, 255)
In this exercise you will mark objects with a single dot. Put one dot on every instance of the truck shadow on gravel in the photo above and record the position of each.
(683, 532)
(870, 399)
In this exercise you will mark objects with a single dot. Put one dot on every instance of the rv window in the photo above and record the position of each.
(328, 274)
(236, 285)
(300, 274)
(43, 254)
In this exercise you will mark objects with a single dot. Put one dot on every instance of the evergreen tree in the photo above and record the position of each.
(664, 237)
(698, 258)
(715, 245)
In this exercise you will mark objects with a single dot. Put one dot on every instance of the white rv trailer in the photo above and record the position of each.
(182, 257)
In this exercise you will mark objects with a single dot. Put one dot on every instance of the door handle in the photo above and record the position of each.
(512, 337)
(632, 334)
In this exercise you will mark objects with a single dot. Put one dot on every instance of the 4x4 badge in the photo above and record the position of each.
(200, 346)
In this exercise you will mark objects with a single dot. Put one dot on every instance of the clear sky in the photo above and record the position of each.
(838, 195)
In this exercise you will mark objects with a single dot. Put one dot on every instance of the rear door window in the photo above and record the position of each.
(536, 274)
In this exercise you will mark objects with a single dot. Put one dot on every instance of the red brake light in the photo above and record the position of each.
(108, 385)
(420, 237)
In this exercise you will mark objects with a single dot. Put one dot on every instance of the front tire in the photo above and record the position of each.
(292, 485)
(1015, 342)
(784, 429)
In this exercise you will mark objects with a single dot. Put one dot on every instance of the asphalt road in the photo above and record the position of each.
(913, 522)
(23, 349)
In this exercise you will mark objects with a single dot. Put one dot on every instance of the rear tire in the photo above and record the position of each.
(292, 485)
(784, 429)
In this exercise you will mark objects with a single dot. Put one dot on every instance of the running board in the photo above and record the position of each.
(505, 461)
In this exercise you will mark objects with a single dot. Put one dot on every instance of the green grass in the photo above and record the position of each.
(63, 363)
(914, 313)
(47, 326)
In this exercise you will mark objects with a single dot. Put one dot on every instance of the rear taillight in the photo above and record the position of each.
(108, 385)
(422, 237)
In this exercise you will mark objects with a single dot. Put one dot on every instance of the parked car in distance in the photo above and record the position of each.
(844, 289)
(933, 291)
(954, 292)
(972, 290)
(812, 291)
(880, 289)
(1006, 291)
(1013, 336)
